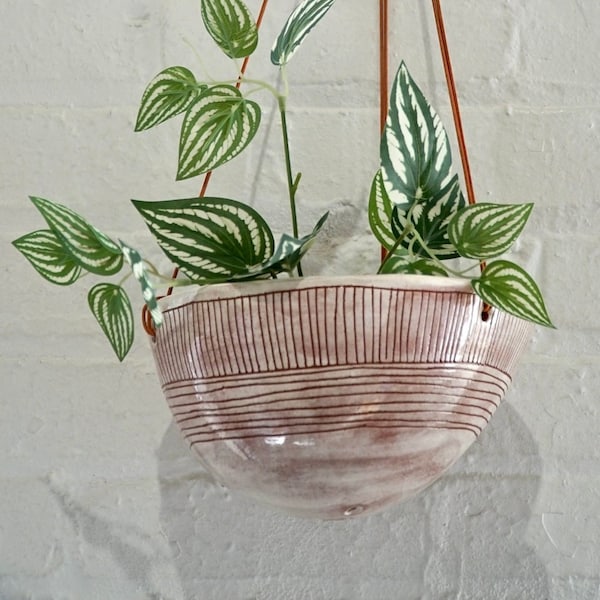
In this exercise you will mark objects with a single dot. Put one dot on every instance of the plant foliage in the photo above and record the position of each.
(231, 26)
(297, 27)
(416, 208)
(110, 305)
(418, 212)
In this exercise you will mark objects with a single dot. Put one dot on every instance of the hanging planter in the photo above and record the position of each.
(328, 397)
(333, 397)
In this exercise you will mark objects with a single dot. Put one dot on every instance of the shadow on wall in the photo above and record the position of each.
(464, 538)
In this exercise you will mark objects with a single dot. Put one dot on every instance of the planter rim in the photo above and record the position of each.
(248, 288)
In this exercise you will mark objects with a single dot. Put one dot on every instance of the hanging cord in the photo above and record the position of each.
(441, 31)
(146, 317)
(383, 73)
(383, 62)
(439, 21)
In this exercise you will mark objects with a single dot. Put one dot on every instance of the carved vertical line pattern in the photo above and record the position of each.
(319, 316)
(171, 355)
(274, 331)
(173, 347)
(223, 347)
(373, 334)
(195, 357)
(435, 330)
(361, 334)
(233, 349)
(256, 334)
(213, 339)
(251, 345)
(242, 349)
(314, 327)
(289, 333)
(343, 329)
(208, 358)
(333, 335)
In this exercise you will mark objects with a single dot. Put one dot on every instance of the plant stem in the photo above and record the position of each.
(291, 181)
(409, 227)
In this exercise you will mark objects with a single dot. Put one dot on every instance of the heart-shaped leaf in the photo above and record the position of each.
(231, 25)
(111, 306)
(415, 153)
(297, 27)
(90, 248)
(409, 265)
(210, 239)
(170, 93)
(487, 230)
(216, 128)
(288, 254)
(430, 219)
(44, 250)
(380, 213)
(416, 167)
(511, 289)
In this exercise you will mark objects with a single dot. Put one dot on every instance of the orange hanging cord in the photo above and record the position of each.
(441, 31)
(383, 73)
(383, 105)
(146, 317)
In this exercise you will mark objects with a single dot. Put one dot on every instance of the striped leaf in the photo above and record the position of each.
(140, 273)
(409, 265)
(216, 128)
(44, 250)
(380, 213)
(289, 253)
(487, 230)
(210, 239)
(89, 248)
(508, 287)
(111, 306)
(415, 153)
(231, 25)
(430, 219)
(297, 27)
(416, 165)
(170, 93)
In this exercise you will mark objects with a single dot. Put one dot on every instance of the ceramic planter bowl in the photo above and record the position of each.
(333, 397)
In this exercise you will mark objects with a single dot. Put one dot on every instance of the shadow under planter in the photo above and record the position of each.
(465, 536)
(334, 397)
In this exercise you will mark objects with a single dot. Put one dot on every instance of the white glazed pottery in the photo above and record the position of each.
(334, 397)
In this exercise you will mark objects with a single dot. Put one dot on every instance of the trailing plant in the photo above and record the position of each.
(416, 208)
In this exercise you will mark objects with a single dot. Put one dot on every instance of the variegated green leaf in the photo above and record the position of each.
(231, 25)
(111, 306)
(170, 93)
(380, 213)
(44, 250)
(140, 273)
(297, 27)
(487, 230)
(508, 287)
(430, 219)
(409, 265)
(416, 165)
(90, 248)
(210, 239)
(216, 128)
(288, 254)
(415, 153)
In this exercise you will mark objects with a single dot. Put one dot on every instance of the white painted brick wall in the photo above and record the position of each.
(99, 497)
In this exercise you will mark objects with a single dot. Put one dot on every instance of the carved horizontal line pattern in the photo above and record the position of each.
(334, 358)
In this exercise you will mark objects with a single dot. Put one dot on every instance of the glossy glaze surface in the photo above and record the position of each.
(334, 397)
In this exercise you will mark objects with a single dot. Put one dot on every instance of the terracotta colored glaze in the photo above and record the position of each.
(333, 397)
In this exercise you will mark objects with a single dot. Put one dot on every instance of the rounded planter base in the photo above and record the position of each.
(334, 397)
